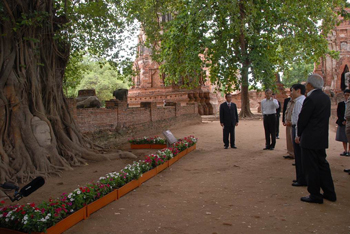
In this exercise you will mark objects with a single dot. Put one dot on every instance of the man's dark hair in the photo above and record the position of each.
(299, 87)
(347, 91)
(227, 94)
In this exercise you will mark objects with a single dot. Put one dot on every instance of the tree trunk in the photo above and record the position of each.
(245, 102)
(38, 135)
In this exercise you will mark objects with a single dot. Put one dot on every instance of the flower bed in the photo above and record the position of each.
(148, 143)
(53, 216)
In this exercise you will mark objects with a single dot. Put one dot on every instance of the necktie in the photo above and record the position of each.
(229, 105)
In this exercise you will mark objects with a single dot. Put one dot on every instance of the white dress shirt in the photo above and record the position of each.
(309, 93)
(269, 106)
(297, 109)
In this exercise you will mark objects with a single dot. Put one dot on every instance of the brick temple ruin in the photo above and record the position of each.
(333, 70)
(149, 86)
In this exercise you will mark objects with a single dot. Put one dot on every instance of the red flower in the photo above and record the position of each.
(32, 204)
(2, 202)
(23, 212)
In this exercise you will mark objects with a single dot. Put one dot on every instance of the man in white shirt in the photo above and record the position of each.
(268, 109)
(298, 95)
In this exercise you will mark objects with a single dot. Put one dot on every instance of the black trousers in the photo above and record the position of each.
(229, 131)
(318, 174)
(270, 130)
(277, 125)
(298, 162)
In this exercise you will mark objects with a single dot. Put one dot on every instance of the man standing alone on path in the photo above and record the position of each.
(229, 120)
(268, 109)
(312, 134)
(298, 95)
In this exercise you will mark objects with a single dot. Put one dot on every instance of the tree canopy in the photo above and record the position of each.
(296, 73)
(237, 38)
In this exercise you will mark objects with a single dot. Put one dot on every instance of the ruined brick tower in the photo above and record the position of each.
(333, 70)
(149, 85)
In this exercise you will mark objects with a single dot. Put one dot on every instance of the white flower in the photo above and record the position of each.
(42, 220)
(71, 199)
(25, 222)
(1, 215)
(25, 217)
(78, 192)
(6, 219)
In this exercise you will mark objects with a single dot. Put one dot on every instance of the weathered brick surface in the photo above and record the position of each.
(122, 118)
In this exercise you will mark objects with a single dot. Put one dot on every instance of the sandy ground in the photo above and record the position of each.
(213, 190)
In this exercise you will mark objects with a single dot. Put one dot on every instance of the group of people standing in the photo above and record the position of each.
(306, 117)
(343, 122)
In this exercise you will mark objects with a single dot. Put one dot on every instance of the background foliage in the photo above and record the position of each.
(297, 73)
(98, 75)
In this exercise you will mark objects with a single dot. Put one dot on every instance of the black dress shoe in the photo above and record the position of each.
(347, 170)
(266, 148)
(271, 148)
(329, 198)
(234, 147)
(277, 137)
(311, 200)
(297, 184)
(294, 181)
(293, 164)
(226, 147)
(288, 157)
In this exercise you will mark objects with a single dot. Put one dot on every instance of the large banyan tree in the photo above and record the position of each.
(38, 135)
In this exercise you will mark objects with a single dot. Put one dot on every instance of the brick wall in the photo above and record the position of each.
(131, 119)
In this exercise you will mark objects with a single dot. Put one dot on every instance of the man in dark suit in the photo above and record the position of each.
(229, 120)
(312, 135)
(285, 104)
(278, 116)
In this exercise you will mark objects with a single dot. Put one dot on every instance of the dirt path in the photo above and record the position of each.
(213, 190)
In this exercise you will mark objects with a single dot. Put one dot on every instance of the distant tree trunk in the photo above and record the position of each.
(245, 102)
(32, 68)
